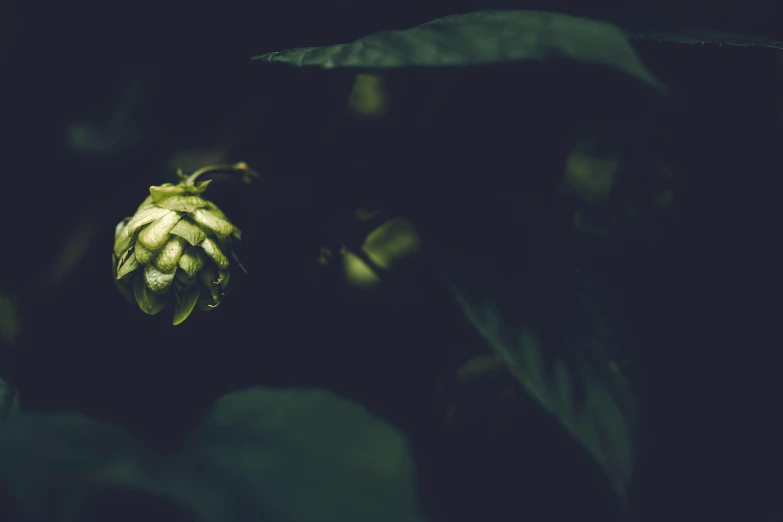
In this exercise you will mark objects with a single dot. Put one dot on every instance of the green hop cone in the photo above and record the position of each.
(176, 248)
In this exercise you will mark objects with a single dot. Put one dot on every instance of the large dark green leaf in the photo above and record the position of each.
(485, 37)
(261, 455)
(559, 345)
(308, 456)
(46, 459)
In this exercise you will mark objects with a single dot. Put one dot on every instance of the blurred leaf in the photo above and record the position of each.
(308, 456)
(259, 455)
(392, 242)
(9, 401)
(590, 175)
(369, 97)
(358, 273)
(564, 362)
(485, 37)
(46, 459)
(479, 366)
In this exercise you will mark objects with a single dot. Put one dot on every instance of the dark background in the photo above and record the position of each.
(706, 300)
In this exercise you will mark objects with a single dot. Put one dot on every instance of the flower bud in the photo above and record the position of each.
(176, 249)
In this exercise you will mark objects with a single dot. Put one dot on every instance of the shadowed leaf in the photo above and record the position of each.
(563, 362)
(480, 38)
(260, 454)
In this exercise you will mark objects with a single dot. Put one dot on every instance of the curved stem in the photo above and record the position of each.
(238, 168)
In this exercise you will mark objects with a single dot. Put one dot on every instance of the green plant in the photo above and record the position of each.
(176, 247)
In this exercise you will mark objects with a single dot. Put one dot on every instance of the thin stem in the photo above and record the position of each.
(239, 168)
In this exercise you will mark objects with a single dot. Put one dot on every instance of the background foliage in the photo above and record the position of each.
(99, 104)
